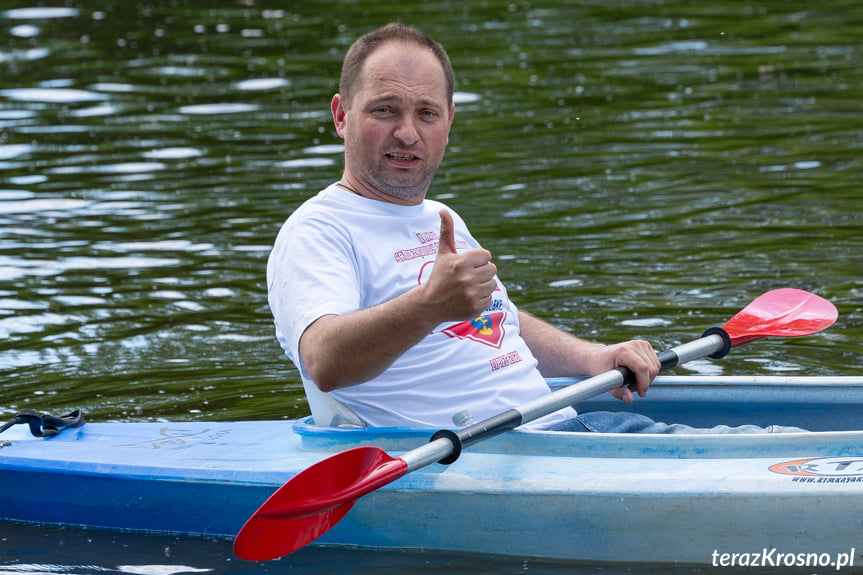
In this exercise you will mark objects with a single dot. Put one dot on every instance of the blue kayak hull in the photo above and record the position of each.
(591, 497)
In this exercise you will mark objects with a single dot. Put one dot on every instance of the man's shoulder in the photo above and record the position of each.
(321, 200)
(320, 207)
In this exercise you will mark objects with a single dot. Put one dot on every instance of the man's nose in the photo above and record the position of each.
(406, 130)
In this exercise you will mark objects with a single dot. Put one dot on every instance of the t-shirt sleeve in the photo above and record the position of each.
(311, 273)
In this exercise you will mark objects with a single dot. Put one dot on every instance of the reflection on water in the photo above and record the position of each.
(637, 170)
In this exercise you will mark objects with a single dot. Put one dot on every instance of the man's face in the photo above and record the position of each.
(397, 126)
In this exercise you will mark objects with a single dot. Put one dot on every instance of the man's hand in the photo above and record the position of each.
(637, 356)
(460, 286)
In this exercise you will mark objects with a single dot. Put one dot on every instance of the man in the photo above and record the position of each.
(382, 298)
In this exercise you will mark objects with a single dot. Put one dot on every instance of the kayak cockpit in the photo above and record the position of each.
(831, 408)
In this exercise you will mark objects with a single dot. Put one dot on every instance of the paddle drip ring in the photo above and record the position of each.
(456, 445)
(726, 341)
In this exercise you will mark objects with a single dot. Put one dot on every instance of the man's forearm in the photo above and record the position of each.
(344, 350)
(559, 353)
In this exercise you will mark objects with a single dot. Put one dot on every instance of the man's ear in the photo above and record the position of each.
(451, 117)
(339, 112)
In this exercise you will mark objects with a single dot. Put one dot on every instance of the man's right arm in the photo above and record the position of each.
(344, 350)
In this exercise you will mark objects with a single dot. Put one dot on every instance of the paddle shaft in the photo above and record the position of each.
(446, 446)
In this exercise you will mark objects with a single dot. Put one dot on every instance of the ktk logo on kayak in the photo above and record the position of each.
(821, 467)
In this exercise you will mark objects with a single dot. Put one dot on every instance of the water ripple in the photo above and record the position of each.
(261, 84)
(39, 13)
(222, 108)
(51, 95)
(28, 55)
(177, 153)
(14, 150)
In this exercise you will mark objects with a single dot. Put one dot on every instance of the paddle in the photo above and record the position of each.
(314, 500)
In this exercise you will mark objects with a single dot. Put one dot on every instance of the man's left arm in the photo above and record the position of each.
(561, 354)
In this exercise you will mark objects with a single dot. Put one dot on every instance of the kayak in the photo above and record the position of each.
(700, 499)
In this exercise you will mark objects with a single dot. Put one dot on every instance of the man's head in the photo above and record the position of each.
(360, 50)
(394, 114)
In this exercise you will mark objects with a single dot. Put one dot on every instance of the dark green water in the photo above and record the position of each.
(637, 168)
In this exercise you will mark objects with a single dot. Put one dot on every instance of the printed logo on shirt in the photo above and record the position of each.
(428, 247)
(486, 329)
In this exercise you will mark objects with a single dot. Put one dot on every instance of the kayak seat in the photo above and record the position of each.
(328, 411)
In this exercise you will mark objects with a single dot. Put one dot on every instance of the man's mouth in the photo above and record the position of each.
(402, 157)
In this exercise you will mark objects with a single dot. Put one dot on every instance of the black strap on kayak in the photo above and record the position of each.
(44, 425)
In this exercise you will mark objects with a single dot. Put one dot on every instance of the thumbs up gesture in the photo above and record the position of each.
(460, 286)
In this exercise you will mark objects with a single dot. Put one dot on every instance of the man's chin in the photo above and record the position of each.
(405, 189)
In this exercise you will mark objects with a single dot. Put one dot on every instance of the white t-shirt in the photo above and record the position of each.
(340, 252)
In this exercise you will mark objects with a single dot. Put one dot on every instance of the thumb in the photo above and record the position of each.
(447, 234)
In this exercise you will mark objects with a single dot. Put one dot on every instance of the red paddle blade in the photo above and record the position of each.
(313, 501)
(784, 312)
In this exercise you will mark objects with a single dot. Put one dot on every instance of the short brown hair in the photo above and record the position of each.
(363, 47)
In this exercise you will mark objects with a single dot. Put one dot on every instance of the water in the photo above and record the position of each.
(637, 168)
(70, 552)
